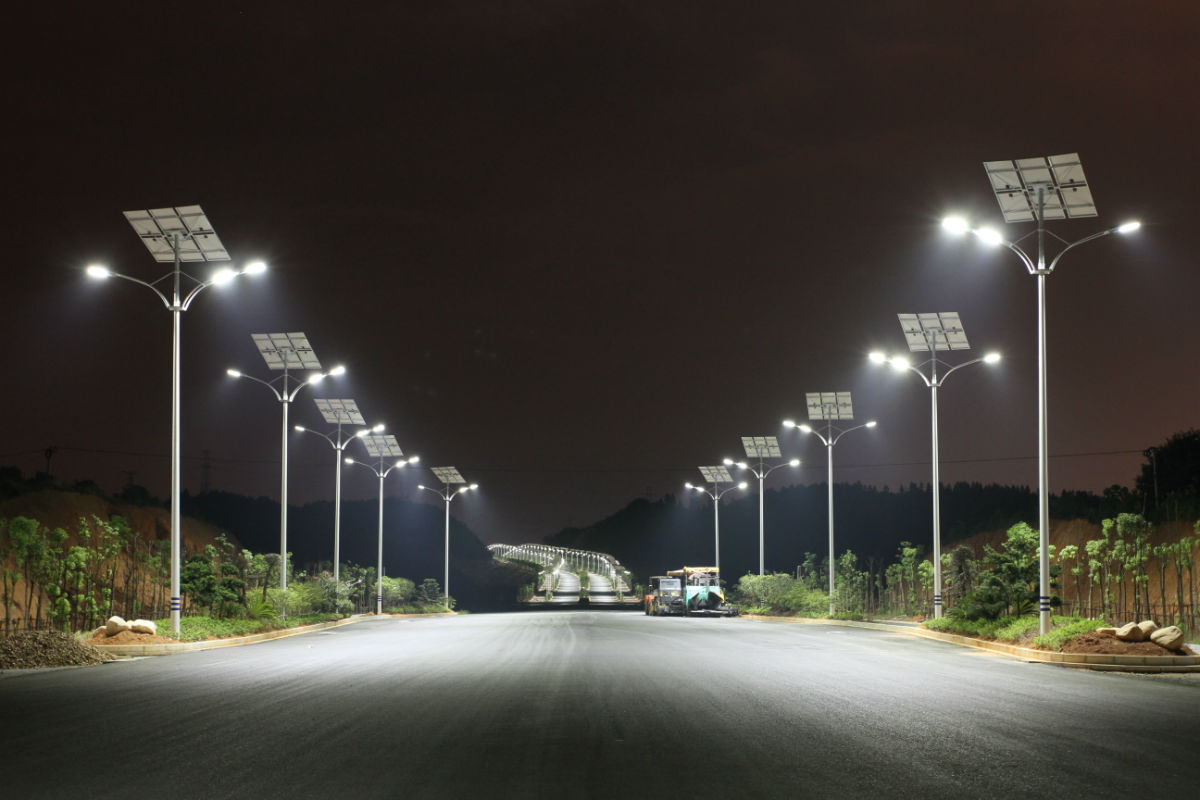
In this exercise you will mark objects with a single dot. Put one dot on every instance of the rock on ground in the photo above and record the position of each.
(1170, 637)
(32, 649)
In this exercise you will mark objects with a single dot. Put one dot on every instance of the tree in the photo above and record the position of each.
(198, 578)
(1070, 554)
(430, 592)
(1008, 584)
(961, 572)
(1170, 478)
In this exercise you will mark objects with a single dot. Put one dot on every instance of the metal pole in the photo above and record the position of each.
(1043, 431)
(829, 447)
(283, 504)
(337, 516)
(379, 568)
(176, 316)
(446, 586)
(717, 529)
(1043, 469)
(937, 511)
(761, 476)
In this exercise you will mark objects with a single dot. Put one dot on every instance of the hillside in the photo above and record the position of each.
(63, 509)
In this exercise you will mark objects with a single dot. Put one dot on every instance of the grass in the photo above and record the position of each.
(1018, 630)
(196, 629)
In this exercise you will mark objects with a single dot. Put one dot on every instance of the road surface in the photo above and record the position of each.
(592, 704)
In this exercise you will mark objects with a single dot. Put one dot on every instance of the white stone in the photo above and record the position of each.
(143, 626)
(115, 625)
(1148, 626)
(1106, 631)
(1131, 633)
(1169, 637)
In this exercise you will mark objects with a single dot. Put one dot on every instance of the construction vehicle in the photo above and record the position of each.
(692, 591)
(664, 596)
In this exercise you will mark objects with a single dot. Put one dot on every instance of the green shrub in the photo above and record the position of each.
(806, 602)
(195, 629)
(1017, 629)
(1069, 629)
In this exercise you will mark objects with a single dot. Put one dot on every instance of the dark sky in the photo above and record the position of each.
(577, 249)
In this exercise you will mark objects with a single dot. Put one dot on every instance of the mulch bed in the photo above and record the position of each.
(129, 637)
(1108, 644)
(34, 649)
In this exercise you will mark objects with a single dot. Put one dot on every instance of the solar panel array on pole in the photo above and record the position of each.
(340, 412)
(941, 329)
(448, 475)
(829, 405)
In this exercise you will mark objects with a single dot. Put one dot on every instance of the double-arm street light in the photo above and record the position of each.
(929, 333)
(177, 235)
(829, 407)
(716, 475)
(382, 447)
(339, 413)
(453, 484)
(759, 449)
(1035, 190)
(286, 352)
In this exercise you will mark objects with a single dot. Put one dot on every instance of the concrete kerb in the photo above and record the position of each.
(138, 650)
(1096, 661)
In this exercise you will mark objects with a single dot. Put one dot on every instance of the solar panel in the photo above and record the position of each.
(286, 350)
(382, 445)
(829, 405)
(157, 228)
(1059, 180)
(717, 474)
(448, 475)
(761, 446)
(340, 412)
(934, 331)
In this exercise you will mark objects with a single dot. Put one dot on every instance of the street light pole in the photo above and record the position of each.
(450, 477)
(339, 412)
(716, 494)
(284, 351)
(381, 471)
(931, 333)
(1030, 190)
(761, 448)
(175, 235)
(830, 438)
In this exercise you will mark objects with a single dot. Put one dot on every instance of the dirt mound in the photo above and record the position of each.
(129, 637)
(1106, 643)
(32, 649)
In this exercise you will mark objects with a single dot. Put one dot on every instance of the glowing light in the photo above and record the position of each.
(956, 225)
(990, 236)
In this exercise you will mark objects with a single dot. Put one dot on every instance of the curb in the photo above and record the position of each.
(1096, 661)
(142, 650)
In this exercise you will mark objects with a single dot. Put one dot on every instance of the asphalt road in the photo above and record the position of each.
(570, 704)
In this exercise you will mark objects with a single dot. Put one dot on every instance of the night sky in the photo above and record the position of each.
(577, 249)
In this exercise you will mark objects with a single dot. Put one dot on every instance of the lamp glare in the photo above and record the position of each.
(990, 237)
(956, 225)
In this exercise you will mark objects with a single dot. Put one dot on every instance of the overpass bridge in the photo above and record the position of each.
(573, 577)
